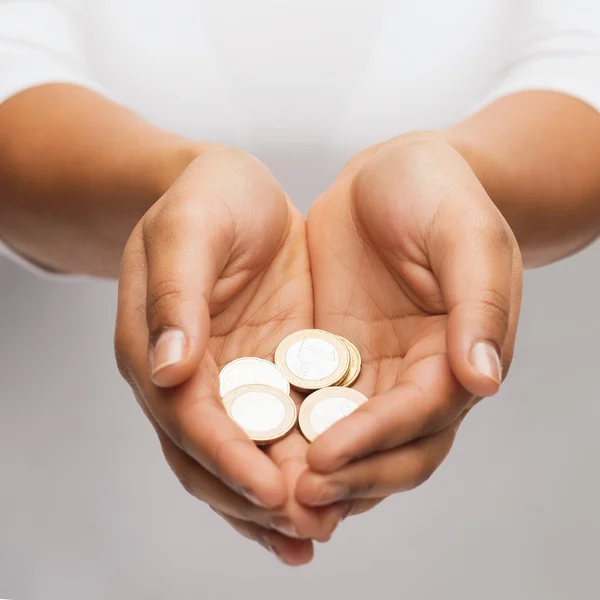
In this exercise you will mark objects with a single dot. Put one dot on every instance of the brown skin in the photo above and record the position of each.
(217, 252)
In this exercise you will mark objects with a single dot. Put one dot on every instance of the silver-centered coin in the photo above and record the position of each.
(251, 371)
(266, 414)
(325, 407)
(312, 359)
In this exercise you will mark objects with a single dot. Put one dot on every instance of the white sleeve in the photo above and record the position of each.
(557, 48)
(39, 43)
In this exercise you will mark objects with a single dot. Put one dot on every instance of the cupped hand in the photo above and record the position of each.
(413, 262)
(218, 269)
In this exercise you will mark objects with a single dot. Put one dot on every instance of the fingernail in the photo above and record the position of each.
(276, 553)
(249, 495)
(168, 350)
(331, 492)
(265, 543)
(486, 360)
(284, 526)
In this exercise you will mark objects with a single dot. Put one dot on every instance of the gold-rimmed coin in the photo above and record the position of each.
(312, 359)
(325, 407)
(251, 371)
(266, 414)
(355, 364)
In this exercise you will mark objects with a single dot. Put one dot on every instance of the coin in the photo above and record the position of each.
(325, 407)
(250, 370)
(355, 364)
(266, 414)
(312, 359)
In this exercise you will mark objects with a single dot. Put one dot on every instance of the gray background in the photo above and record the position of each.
(89, 509)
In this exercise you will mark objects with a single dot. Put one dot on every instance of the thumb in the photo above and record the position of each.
(187, 247)
(473, 262)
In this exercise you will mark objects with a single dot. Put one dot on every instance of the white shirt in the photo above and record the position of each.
(304, 83)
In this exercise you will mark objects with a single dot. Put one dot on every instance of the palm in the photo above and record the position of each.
(359, 292)
(259, 301)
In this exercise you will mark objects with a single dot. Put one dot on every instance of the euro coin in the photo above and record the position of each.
(251, 371)
(312, 359)
(355, 364)
(326, 407)
(266, 414)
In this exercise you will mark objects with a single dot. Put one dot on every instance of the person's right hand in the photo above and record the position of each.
(218, 269)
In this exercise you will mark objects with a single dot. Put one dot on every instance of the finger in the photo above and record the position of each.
(290, 456)
(427, 400)
(204, 486)
(187, 239)
(293, 553)
(379, 475)
(191, 414)
(194, 418)
(472, 259)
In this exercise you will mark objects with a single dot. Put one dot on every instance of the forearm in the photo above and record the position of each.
(538, 156)
(77, 172)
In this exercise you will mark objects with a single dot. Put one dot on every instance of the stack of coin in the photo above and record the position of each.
(312, 359)
(256, 392)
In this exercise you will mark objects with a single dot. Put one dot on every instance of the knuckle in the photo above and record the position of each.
(162, 305)
(494, 307)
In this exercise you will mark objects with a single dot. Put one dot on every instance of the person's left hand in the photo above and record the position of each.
(413, 262)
